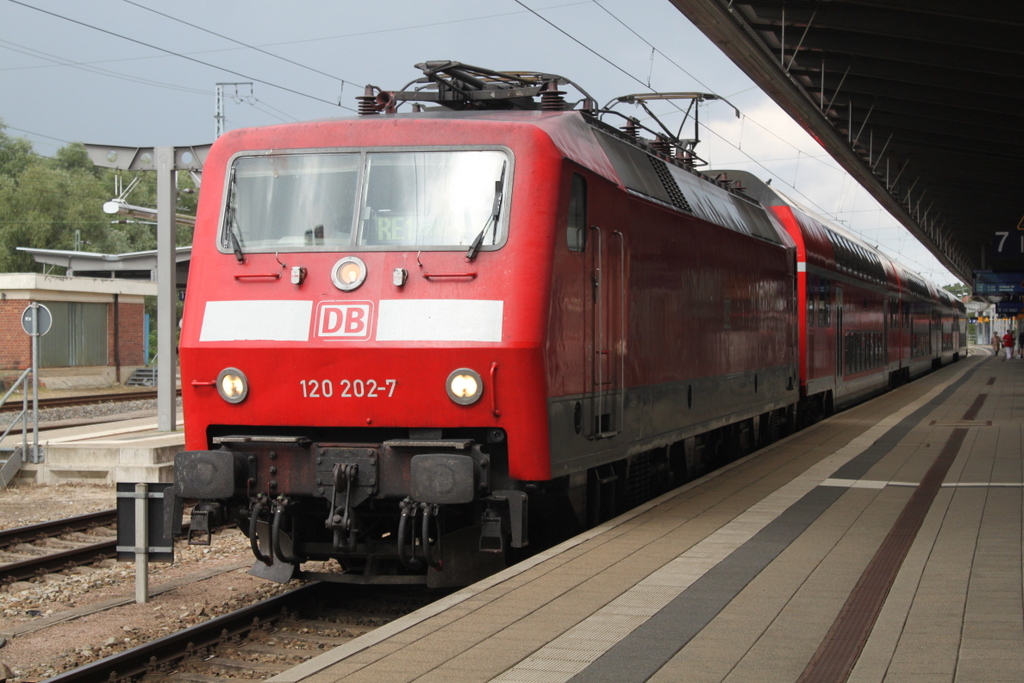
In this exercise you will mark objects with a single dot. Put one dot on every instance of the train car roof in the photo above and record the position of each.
(617, 157)
(850, 253)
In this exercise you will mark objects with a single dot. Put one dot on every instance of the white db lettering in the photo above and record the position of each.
(350, 321)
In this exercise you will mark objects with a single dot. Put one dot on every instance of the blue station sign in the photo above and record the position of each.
(986, 282)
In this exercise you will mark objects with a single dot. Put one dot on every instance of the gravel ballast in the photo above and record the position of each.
(55, 623)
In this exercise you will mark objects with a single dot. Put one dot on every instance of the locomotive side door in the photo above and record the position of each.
(606, 330)
(840, 339)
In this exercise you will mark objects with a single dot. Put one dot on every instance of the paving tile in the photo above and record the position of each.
(953, 613)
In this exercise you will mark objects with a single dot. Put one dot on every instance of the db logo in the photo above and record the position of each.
(348, 321)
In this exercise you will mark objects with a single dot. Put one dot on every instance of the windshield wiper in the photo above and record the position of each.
(499, 187)
(236, 244)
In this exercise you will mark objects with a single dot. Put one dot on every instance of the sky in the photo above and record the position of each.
(144, 73)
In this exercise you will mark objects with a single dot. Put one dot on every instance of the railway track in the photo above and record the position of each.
(261, 640)
(48, 547)
(69, 401)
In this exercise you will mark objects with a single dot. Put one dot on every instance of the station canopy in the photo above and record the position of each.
(922, 101)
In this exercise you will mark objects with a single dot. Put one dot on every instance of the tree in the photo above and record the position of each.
(15, 155)
(958, 289)
(43, 202)
(57, 204)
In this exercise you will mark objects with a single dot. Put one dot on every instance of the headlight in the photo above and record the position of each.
(348, 273)
(464, 386)
(232, 385)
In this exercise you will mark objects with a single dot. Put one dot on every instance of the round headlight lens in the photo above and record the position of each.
(348, 273)
(232, 385)
(464, 386)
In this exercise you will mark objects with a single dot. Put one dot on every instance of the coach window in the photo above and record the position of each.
(812, 294)
(576, 233)
(825, 307)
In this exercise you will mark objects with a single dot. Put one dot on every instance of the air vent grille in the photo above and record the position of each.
(675, 194)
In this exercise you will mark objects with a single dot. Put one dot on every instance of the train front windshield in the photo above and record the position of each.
(365, 201)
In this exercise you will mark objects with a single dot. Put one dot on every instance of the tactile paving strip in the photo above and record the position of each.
(838, 653)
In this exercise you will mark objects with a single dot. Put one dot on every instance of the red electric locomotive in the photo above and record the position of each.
(891, 324)
(414, 340)
(410, 340)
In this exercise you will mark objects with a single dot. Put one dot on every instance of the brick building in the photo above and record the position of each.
(98, 324)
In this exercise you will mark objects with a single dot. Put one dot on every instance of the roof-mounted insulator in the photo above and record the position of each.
(589, 106)
(386, 102)
(685, 154)
(551, 97)
(660, 145)
(631, 129)
(368, 102)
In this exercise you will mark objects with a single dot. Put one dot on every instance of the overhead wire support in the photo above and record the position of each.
(218, 116)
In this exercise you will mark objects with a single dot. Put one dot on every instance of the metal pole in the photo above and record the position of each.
(166, 330)
(218, 115)
(24, 419)
(35, 382)
(141, 545)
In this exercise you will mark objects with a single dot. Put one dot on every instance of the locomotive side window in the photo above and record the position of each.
(366, 201)
(576, 232)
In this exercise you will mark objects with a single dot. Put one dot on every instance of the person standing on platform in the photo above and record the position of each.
(1009, 341)
(1020, 344)
(996, 343)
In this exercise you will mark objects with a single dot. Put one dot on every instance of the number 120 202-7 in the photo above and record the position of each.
(348, 388)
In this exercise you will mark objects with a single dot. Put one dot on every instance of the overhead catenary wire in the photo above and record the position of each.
(179, 55)
(710, 130)
(60, 61)
(701, 83)
(38, 135)
(642, 83)
(238, 42)
(413, 27)
(417, 27)
(717, 133)
(259, 105)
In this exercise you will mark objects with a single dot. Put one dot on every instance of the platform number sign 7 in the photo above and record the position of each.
(1005, 245)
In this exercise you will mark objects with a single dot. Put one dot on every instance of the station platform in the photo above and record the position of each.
(103, 453)
(882, 544)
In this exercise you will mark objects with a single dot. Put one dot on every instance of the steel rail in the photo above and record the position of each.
(55, 562)
(67, 401)
(166, 651)
(34, 532)
(72, 423)
(62, 559)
